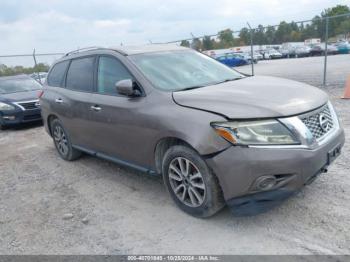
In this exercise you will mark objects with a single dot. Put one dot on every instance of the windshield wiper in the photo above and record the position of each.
(215, 83)
(227, 80)
(190, 88)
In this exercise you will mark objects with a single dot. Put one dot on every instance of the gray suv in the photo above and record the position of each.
(216, 136)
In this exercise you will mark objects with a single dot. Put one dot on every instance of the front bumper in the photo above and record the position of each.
(237, 169)
(18, 116)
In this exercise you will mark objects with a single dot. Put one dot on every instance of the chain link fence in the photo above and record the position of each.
(322, 35)
(35, 64)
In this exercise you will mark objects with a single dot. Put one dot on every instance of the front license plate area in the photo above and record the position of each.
(333, 154)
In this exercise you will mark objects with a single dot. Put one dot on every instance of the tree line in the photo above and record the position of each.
(284, 32)
(16, 70)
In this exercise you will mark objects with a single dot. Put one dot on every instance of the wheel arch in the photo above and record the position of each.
(50, 118)
(163, 145)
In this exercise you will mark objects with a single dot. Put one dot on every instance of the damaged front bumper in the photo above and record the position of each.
(238, 169)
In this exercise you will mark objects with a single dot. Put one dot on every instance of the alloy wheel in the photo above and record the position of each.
(60, 140)
(187, 182)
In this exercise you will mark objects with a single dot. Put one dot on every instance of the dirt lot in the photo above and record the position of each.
(49, 206)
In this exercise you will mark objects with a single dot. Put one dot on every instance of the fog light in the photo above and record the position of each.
(9, 117)
(264, 183)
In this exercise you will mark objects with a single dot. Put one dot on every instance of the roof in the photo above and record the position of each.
(133, 50)
(126, 50)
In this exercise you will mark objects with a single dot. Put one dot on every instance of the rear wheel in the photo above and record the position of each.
(62, 142)
(191, 183)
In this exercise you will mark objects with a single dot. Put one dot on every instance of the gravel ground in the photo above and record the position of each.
(90, 206)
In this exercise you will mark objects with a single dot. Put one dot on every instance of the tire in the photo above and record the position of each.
(62, 142)
(198, 193)
(2, 127)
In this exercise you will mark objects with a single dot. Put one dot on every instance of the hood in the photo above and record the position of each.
(20, 96)
(254, 97)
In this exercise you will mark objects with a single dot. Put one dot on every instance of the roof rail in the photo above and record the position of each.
(83, 49)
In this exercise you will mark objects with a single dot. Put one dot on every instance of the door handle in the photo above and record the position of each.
(59, 100)
(96, 108)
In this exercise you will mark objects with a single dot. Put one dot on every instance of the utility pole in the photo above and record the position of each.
(35, 65)
(251, 48)
(325, 54)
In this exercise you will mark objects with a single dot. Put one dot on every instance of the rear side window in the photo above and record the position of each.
(110, 71)
(56, 75)
(80, 74)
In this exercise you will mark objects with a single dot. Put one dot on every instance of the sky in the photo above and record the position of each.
(64, 25)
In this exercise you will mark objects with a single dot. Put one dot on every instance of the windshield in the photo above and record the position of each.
(178, 70)
(8, 86)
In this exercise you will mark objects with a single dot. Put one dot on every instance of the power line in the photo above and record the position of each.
(24, 55)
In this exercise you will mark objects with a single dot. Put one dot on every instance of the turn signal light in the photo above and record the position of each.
(225, 134)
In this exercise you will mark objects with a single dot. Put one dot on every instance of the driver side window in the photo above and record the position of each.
(110, 71)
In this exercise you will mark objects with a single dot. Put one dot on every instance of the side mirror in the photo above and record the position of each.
(126, 87)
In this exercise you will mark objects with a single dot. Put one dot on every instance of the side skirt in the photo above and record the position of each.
(116, 160)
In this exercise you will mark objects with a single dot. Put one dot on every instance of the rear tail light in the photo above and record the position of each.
(41, 93)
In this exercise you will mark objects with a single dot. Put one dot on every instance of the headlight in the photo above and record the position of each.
(6, 107)
(263, 132)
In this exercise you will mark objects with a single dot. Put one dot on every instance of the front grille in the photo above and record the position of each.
(29, 105)
(314, 122)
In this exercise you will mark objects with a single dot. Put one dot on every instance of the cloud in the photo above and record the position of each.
(62, 25)
(111, 23)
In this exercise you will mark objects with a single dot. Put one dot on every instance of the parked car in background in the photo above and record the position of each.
(216, 136)
(271, 54)
(288, 49)
(319, 49)
(258, 56)
(231, 59)
(331, 49)
(316, 50)
(247, 57)
(210, 53)
(343, 47)
(19, 101)
(302, 51)
(284, 52)
(40, 76)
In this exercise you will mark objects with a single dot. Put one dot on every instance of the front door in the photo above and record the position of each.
(118, 130)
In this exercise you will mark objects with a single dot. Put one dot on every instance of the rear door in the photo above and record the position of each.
(73, 101)
(55, 84)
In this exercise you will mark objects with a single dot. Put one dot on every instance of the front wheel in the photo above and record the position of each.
(190, 182)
